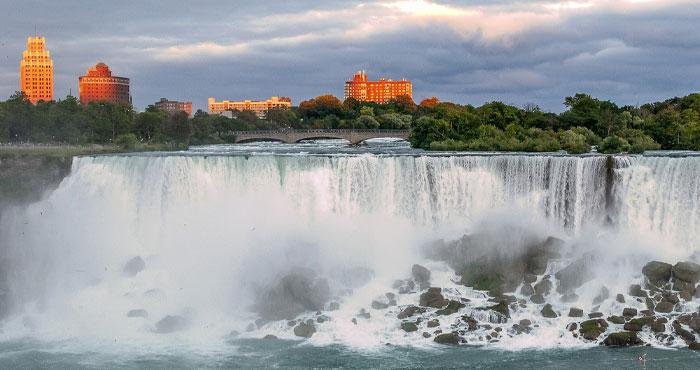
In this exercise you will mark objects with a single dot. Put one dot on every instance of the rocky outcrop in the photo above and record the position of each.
(548, 312)
(447, 338)
(591, 329)
(433, 298)
(134, 266)
(687, 271)
(305, 329)
(421, 275)
(293, 294)
(409, 326)
(576, 274)
(623, 338)
(657, 273)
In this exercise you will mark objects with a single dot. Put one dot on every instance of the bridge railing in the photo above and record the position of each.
(320, 131)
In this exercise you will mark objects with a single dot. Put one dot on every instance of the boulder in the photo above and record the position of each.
(433, 323)
(447, 338)
(623, 338)
(537, 298)
(305, 329)
(501, 308)
(421, 275)
(629, 312)
(426, 334)
(616, 319)
(408, 326)
(591, 329)
(575, 312)
(657, 273)
(524, 323)
(595, 315)
(576, 274)
(687, 336)
(539, 255)
(295, 293)
(410, 311)
(664, 307)
(527, 290)
(543, 287)
(695, 324)
(636, 291)
(377, 305)
(695, 346)
(620, 298)
(269, 337)
(451, 308)
(658, 327)
(137, 313)
(687, 271)
(433, 298)
(529, 278)
(171, 323)
(363, 314)
(548, 312)
(134, 266)
(681, 285)
(572, 326)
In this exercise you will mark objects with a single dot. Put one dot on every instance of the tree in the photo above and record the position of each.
(429, 102)
(426, 130)
(614, 144)
(178, 128)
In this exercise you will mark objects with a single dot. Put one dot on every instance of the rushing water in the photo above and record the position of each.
(215, 225)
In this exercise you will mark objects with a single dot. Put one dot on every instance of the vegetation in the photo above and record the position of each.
(435, 125)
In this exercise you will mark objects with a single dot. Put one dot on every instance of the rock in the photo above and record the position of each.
(447, 338)
(379, 305)
(502, 308)
(576, 274)
(171, 323)
(410, 311)
(687, 336)
(658, 327)
(543, 287)
(616, 319)
(409, 326)
(664, 307)
(433, 323)
(305, 329)
(404, 286)
(539, 256)
(657, 273)
(695, 324)
(686, 295)
(620, 298)
(629, 312)
(537, 298)
(547, 311)
(527, 290)
(695, 346)
(426, 334)
(524, 322)
(323, 318)
(650, 304)
(647, 312)
(529, 278)
(634, 325)
(519, 329)
(433, 298)
(354, 321)
(575, 312)
(250, 327)
(472, 324)
(297, 292)
(421, 275)
(594, 315)
(591, 329)
(670, 297)
(569, 297)
(682, 285)
(602, 296)
(623, 338)
(269, 337)
(134, 266)
(451, 308)
(137, 313)
(572, 326)
(687, 271)
(363, 314)
(636, 291)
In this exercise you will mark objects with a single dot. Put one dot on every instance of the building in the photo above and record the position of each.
(98, 84)
(381, 91)
(36, 71)
(172, 106)
(259, 107)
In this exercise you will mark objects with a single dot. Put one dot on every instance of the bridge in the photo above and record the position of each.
(294, 136)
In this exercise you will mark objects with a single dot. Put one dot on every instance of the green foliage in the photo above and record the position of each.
(126, 141)
(614, 144)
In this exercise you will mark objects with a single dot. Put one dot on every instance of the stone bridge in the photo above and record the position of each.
(294, 136)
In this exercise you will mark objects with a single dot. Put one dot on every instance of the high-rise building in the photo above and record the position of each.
(98, 84)
(172, 106)
(36, 71)
(381, 91)
(259, 107)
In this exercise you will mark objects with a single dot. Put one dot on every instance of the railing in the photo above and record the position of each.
(322, 131)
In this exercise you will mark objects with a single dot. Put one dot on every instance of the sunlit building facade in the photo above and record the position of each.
(36, 71)
(173, 106)
(98, 84)
(381, 91)
(259, 107)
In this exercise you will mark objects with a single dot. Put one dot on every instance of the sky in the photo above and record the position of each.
(467, 52)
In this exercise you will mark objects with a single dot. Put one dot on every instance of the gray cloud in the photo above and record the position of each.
(514, 51)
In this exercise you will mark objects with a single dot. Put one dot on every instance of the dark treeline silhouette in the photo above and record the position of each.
(435, 125)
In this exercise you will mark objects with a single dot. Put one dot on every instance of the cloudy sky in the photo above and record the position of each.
(469, 51)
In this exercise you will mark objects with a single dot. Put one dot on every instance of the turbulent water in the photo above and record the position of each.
(215, 226)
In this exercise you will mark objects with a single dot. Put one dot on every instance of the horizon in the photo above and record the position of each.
(516, 52)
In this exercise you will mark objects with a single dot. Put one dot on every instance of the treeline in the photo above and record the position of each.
(435, 125)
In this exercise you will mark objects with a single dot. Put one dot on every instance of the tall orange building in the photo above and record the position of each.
(36, 71)
(381, 91)
(99, 85)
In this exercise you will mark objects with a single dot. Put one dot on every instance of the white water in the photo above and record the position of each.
(213, 230)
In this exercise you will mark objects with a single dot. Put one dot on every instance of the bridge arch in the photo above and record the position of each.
(295, 136)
